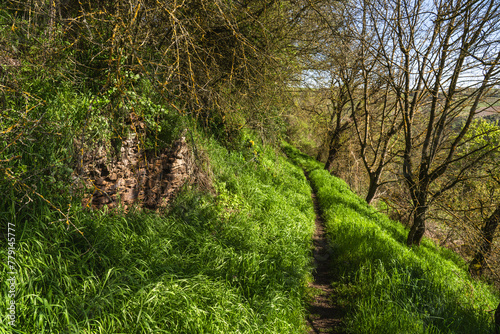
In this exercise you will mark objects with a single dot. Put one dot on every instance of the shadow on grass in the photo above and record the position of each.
(114, 270)
(389, 287)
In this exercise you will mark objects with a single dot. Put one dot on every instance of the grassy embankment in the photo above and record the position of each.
(236, 262)
(385, 286)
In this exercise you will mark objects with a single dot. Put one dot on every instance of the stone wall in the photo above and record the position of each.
(134, 176)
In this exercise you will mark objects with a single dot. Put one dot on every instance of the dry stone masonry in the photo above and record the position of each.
(135, 177)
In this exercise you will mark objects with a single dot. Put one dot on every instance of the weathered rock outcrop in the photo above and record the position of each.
(134, 176)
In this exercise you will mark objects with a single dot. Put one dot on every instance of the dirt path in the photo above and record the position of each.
(324, 315)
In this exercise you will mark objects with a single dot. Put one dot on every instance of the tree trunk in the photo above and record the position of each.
(476, 267)
(372, 188)
(52, 15)
(319, 155)
(418, 228)
(333, 147)
(332, 154)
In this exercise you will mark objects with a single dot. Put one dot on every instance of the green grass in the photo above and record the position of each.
(237, 262)
(387, 287)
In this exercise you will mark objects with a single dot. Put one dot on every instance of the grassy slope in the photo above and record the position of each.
(388, 287)
(234, 263)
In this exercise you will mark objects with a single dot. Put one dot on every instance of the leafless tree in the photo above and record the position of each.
(374, 108)
(326, 57)
(441, 58)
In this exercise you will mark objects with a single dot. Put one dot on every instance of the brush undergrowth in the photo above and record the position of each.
(234, 262)
(387, 287)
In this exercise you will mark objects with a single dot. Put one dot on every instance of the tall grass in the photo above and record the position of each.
(388, 287)
(236, 262)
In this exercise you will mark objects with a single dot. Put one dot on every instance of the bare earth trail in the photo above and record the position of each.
(324, 315)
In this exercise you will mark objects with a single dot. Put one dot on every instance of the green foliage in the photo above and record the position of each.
(392, 288)
(234, 263)
(301, 159)
(482, 134)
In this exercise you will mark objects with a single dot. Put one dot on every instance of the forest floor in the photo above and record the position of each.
(324, 315)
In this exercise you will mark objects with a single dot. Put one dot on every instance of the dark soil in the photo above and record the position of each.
(324, 315)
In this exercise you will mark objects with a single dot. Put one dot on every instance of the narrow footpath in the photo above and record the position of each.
(324, 315)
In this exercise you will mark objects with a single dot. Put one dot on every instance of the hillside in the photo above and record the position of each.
(385, 286)
(153, 174)
(233, 259)
(234, 256)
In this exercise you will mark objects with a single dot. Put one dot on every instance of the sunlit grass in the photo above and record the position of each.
(232, 263)
(388, 287)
